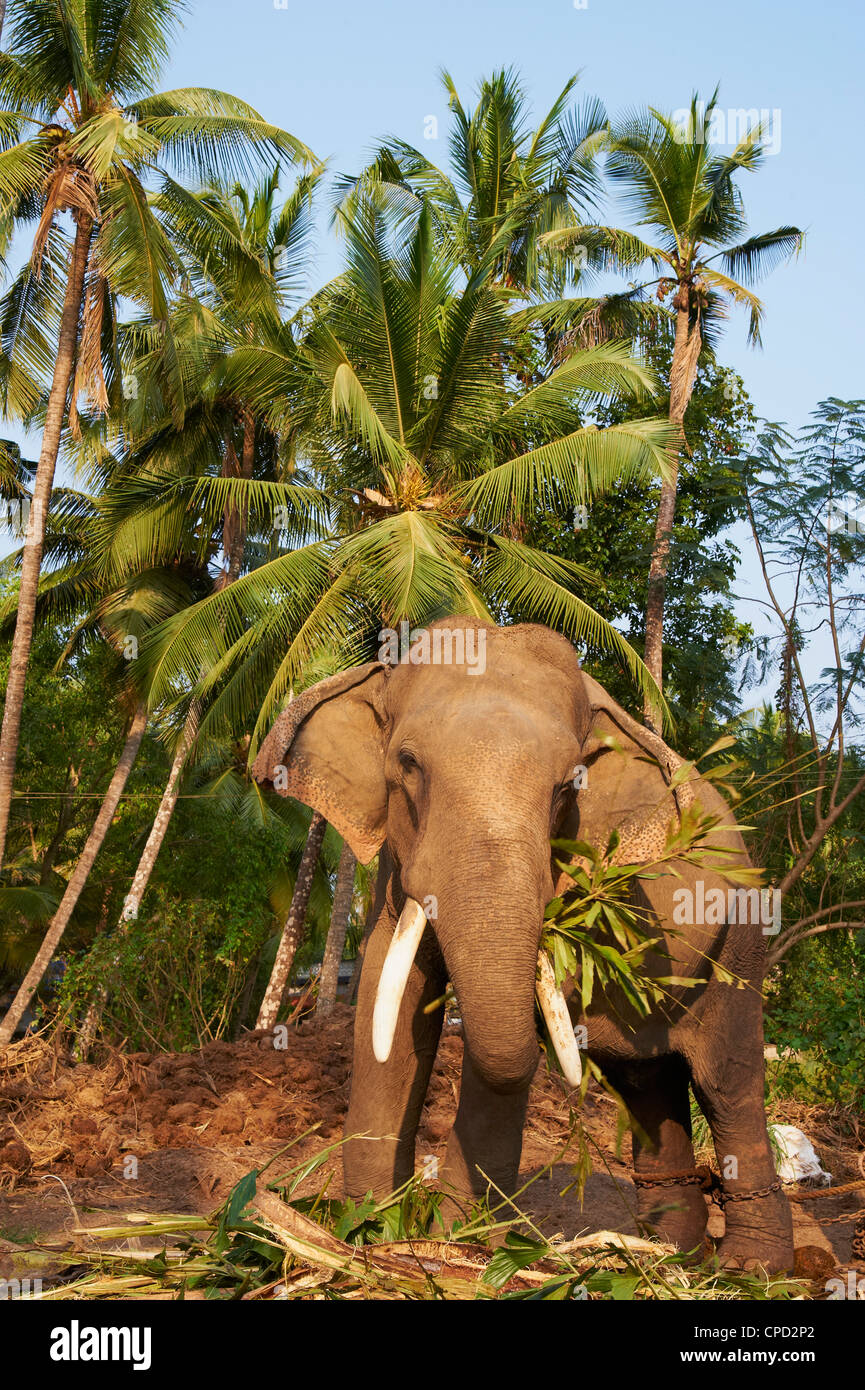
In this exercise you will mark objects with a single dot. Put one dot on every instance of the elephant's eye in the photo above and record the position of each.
(407, 761)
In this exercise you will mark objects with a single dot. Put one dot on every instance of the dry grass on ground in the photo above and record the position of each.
(82, 1146)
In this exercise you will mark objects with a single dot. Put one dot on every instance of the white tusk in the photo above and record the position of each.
(394, 977)
(558, 1021)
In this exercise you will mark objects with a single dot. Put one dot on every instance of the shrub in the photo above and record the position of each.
(819, 1010)
(176, 979)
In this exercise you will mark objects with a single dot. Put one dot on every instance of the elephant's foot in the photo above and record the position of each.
(758, 1235)
(376, 1164)
(676, 1215)
(739, 1255)
(670, 1203)
(458, 1208)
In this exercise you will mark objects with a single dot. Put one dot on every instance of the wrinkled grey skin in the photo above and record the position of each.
(461, 779)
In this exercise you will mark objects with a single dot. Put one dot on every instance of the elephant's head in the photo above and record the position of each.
(467, 769)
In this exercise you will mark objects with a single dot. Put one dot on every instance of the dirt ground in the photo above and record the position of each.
(174, 1132)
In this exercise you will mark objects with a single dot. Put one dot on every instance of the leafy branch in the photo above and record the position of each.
(598, 934)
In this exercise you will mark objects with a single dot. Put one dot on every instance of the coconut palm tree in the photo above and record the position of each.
(394, 382)
(514, 183)
(503, 171)
(675, 183)
(92, 603)
(83, 133)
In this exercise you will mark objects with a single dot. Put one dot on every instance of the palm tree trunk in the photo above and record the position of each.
(146, 864)
(342, 899)
(683, 370)
(35, 536)
(237, 520)
(294, 923)
(234, 544)
(79, 878)
(159, 828)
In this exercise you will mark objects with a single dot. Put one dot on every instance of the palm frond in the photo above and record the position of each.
(756, 257)
(541, 586)
(571, 470)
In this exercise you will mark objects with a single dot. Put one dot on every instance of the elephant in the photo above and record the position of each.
(458, 774)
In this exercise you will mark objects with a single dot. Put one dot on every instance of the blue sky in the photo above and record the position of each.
(341, 74)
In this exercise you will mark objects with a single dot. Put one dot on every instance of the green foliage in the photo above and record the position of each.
(612, 541)
(598, 934)
(175, 977)
(237, 1253)
(412, 1212)
(71, 739)
(507, 184)
(818, 1010)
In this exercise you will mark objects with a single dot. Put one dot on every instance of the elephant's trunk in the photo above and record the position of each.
(493, 963)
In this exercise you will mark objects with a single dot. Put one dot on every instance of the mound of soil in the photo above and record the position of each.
(173, 1132)
(85, 1121)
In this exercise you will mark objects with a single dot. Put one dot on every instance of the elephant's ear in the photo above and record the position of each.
(327, 749)
(628, 786)
(611, 712)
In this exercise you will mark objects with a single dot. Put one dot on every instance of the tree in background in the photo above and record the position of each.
(519, 193)
(805, 504)
(676, 184)
(508, 184)
(84, 133)
(612, 539)
(805, 792)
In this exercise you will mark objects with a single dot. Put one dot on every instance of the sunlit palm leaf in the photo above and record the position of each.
(583, 464)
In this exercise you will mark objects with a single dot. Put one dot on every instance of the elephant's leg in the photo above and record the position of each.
(387, 1097)
(656, 1094)
(729, 1089)
(487, 1137)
